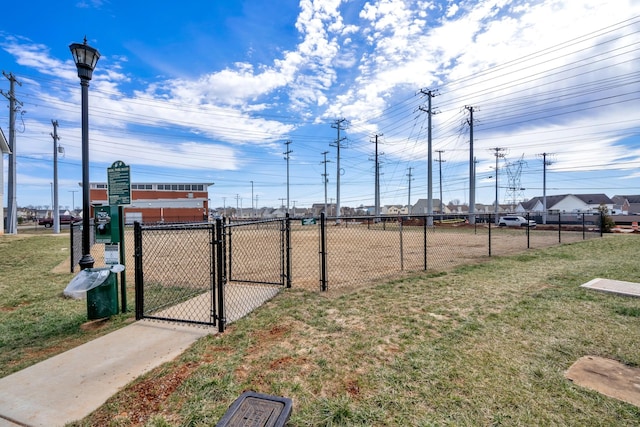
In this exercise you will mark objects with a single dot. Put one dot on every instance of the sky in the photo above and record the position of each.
(220, 91)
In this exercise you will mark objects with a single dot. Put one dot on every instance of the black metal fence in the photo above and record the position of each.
(355, 251)
(175, 273)
(208, 273)
(216, 273)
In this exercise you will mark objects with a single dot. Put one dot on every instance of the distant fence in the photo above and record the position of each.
(353, 251)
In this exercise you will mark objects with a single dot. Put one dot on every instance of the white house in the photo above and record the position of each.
(567, 203)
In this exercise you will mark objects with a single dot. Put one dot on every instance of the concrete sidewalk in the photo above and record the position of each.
(71, 385)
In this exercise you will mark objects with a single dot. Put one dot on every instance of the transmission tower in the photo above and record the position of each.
(514, 189)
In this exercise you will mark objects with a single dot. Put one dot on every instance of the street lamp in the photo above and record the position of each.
(86, 59)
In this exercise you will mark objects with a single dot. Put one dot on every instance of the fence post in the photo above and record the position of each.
(584, 236)
(220, 257)
(528, 231)
(323, 253)
(424, 240)
(490, 221)
(401, 247)
(601, 223)
(559, 227)
(288, 239)
(230, 248)
(213, 269)
(71, 252)
(139, 283)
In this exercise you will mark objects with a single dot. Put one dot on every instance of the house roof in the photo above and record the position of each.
(590, 199)
(630, 199)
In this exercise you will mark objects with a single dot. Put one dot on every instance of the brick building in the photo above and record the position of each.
(160, 202)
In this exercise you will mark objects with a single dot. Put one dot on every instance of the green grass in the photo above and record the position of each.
(36, 320)
(485, 344)
(482, 345)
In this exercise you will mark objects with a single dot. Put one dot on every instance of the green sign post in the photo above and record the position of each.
(119, 193)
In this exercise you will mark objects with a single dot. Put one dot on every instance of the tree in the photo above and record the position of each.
(607, 223)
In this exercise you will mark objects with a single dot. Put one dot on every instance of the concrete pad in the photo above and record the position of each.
(614, 286)
(71, 385)
(608, 377)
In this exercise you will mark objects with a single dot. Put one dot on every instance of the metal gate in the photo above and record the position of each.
(257, 252)
(176, 273)
(209, 274)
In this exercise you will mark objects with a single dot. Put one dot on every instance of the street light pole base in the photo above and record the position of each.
(86, 261)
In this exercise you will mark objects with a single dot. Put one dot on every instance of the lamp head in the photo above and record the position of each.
(85, 58)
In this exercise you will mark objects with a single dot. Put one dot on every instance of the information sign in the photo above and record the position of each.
(119, 183)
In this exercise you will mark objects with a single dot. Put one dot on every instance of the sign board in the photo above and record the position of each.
(111, 254)
(308, 221)
(119, 184)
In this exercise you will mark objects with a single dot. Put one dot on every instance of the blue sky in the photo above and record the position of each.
(211, 91)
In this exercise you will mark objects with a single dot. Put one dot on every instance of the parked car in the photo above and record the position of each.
(64, 219)
(515, 221)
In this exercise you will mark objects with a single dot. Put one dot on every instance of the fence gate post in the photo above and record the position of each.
(139, 283)
(213, 268)
(220, 257)
(288, 254)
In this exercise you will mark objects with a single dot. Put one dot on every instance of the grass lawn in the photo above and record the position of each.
(36, 320)
(484, 344)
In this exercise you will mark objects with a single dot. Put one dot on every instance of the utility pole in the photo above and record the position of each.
(545, 163)
(409, 198)
(286, 153)
(282, 202)
(55, 210)
(224, 206)
(237, 203)
(73, 200)
(12, 210)
(325, 179)
(251, 198)
(498, 152)
(472, 178)
(430, 94)
(440, 161)
(377, 180)
(338, 125)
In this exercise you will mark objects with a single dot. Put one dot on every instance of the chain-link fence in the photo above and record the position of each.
(208, 273)
(201, 273)
(174, 274)
(355, 251)
(255, 264)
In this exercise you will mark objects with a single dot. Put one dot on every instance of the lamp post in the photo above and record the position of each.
(86, 59)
